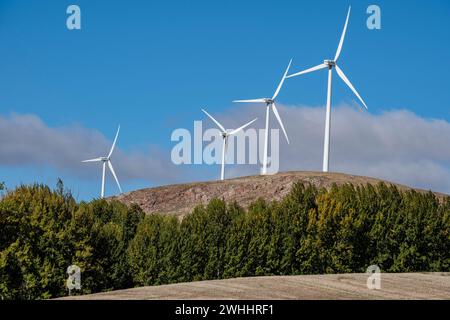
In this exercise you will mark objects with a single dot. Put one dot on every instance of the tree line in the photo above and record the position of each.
(311, 231)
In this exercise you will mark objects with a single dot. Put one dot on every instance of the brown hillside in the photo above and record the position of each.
(181, 199)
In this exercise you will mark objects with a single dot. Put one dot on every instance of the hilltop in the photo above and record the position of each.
(180, 199)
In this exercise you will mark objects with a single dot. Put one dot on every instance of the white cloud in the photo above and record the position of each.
(396, 145)
(25, 140)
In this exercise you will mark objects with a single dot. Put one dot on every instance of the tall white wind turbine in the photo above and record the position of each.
(270, 104)
(225, 134)
(107, 161)
(330, 64)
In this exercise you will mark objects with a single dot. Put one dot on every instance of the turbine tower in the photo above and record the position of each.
(107, 160)
(225, 134)
(330, 64)
(270, 104)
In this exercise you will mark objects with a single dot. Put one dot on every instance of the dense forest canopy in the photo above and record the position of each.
(311, 231)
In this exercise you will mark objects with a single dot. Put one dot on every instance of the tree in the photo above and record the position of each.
(153, 252)
(311, 231)
(34, 241)
(101, 231)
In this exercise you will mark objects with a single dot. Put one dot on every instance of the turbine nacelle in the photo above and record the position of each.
(269, 101)
(330, 63)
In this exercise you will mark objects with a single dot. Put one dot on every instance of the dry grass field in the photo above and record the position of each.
(305, 287)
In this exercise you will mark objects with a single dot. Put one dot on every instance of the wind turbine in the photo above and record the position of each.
(225, 134)
(270, 103)
(107, 160)
(330, 64)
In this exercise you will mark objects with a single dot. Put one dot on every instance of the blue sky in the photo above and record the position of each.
(151, 66)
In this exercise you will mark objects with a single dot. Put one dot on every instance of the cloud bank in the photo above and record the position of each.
(25, 140)
(396, 145)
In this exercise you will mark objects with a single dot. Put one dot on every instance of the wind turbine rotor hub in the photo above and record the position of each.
(330, 63)
(269, 101)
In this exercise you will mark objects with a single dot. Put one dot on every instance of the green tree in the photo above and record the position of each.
(343, 229)
(33, 222)
(101, 231)
(153, 252)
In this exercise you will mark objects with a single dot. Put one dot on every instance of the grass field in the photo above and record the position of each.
(304, 287)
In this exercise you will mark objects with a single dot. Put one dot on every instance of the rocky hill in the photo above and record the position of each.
(181, 199)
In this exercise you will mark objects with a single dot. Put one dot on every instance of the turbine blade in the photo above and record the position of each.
(349, 84)
(275, 111)
(215, 121)
(320, 66)
(341, 42)
(262, 100)
(93, 160)
(282, 81)
(114, 175)
(114, 143)
(243, 127)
